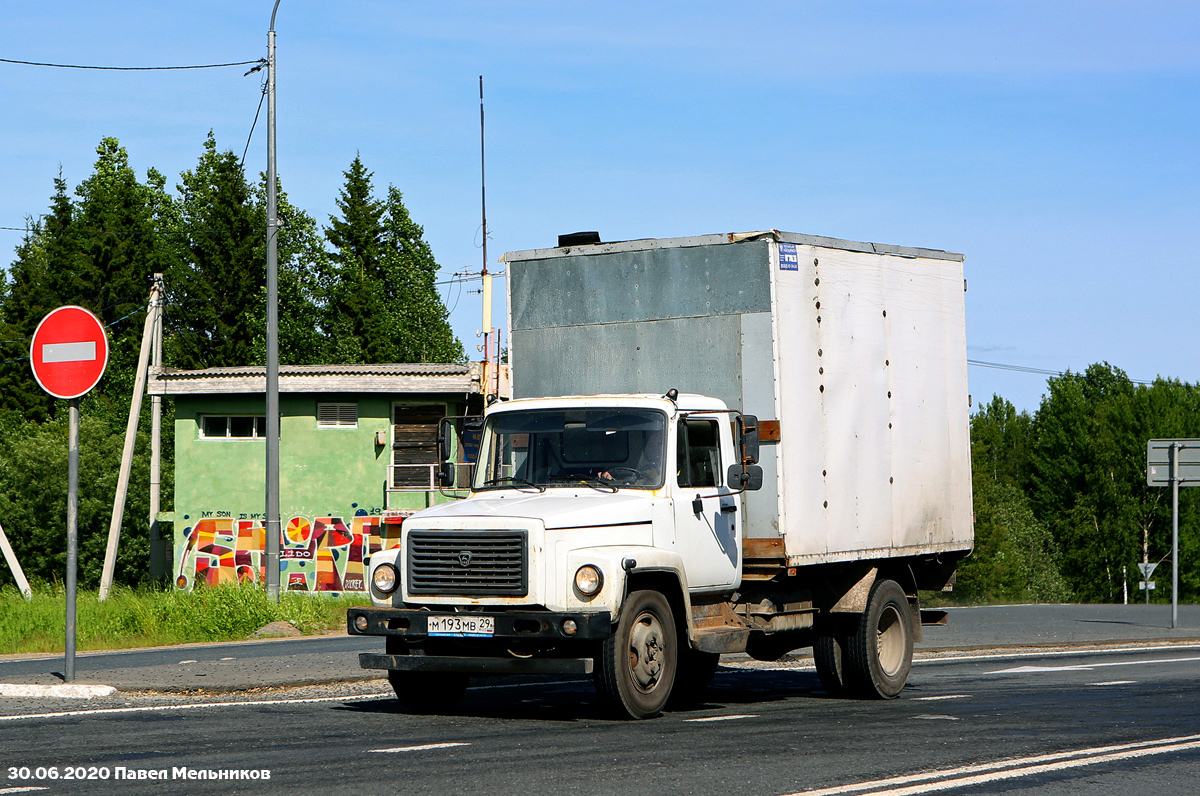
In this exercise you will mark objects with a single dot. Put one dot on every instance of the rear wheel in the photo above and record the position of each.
(880, 650)
(428, 692)
(636, 666)
(829, 655)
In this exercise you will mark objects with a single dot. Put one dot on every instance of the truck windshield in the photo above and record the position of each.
(607, 448)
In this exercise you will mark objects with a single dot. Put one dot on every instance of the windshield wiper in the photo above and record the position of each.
(513, 480)
(595, 482)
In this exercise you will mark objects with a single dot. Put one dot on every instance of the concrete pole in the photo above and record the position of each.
(272, 526)
(158, 548)
(15, 566)
(135, 411)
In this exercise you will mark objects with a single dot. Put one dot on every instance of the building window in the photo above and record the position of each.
(233, 427)
(331, 415)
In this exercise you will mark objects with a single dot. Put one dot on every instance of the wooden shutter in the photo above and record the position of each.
(414, 441)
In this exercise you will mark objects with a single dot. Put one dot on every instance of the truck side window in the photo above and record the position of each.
(699, 454)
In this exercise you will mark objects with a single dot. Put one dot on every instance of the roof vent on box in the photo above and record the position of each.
(579, 239)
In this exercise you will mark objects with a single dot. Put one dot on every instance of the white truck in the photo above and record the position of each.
(626, 520)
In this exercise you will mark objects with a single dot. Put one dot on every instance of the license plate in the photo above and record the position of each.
(462, 625)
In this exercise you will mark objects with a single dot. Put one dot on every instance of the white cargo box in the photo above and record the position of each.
(853, 355)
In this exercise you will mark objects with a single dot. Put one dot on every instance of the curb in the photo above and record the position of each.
(63, 691)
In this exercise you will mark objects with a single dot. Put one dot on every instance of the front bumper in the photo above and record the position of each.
(509, 625)
(474, 665)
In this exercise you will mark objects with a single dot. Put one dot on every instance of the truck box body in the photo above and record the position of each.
(854, 354)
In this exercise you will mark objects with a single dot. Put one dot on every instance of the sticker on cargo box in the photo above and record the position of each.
(789, 259)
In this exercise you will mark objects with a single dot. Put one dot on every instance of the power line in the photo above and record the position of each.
(129, 68)
(1036, 371)
(254, 123)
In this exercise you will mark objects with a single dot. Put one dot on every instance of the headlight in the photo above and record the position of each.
(588, 580)
(385, 578)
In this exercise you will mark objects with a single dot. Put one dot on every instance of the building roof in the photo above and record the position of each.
(418, 377)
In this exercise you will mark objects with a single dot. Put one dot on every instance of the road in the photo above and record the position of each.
(1096, 721)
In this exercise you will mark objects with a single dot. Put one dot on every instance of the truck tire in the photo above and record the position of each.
(829, 655)
(428, 692)
(636, 666)
(880, 650)
(692, 676)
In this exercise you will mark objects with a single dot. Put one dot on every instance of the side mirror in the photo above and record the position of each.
(445, 474)
(749, 479)
(445, 436)
(748, 442)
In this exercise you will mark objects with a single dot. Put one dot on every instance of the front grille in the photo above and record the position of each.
(470, 563)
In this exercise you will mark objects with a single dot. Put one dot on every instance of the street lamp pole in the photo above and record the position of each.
(272, 513)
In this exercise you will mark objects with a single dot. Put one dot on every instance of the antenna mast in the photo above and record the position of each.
(487, 278)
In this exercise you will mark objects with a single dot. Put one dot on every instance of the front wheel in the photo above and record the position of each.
(428, 692)
(636, 666)
(880, 650)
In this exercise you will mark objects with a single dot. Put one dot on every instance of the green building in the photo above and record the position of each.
(357, 454)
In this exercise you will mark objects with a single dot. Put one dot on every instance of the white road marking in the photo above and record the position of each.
(181, 663)
(1059, 652)
(190, 706)
(1087, 667)
(945, 696)
(726, 718)
(942, 657)
(420, 748)
(1116, 682)
(937, 717)
(69, 352)
(982, 773)
(22, 790)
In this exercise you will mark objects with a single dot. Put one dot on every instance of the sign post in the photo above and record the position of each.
(68, 355)
(1174, 463)
(1146, 585)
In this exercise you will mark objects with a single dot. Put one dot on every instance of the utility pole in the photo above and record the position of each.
(158, 545)
(272, 527)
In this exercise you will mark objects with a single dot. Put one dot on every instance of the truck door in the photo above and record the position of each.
(708, 539)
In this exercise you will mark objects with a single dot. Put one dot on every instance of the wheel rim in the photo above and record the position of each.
(646, 652)
(890, 640)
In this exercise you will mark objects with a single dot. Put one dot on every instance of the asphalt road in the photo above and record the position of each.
(1092, 722)
(280, 663)
(1100, 707)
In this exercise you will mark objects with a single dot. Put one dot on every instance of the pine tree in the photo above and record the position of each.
(381, 302)
(411, 272)
(97, 251)
(212, 293)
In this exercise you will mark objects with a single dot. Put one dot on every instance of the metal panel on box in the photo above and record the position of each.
(651, 284)
(759, 398)
(698, 355)
(874, 405)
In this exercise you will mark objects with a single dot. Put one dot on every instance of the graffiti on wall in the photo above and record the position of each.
(318, 554)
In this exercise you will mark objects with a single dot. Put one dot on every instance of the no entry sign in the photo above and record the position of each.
(69, 352)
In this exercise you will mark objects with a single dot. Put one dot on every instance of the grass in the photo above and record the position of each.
(147, 617)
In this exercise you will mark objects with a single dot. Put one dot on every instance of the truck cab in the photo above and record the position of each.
(592, 525)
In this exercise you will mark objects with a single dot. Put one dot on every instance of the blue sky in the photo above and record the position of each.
(1054, 144)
